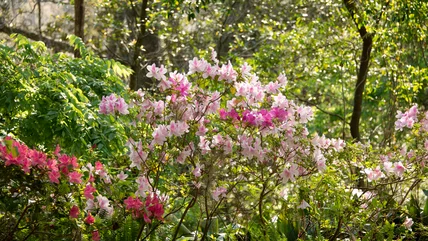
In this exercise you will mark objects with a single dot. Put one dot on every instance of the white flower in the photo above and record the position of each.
(304, 205)
(408, 223)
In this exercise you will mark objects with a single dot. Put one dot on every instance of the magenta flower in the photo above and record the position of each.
(89, 219)
(133, 203)
(96, 235)
(74, 212)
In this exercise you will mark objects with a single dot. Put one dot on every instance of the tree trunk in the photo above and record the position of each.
(362, 71)
(360, 84)
(137, 50)
(79, 22)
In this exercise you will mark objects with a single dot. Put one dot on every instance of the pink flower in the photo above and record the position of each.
(121, 106)
(154, 207)
(155, 72)
(202, 130)
(290, 174)
(282, 79)
(197, 66)
(89, 219)
(197, 171)
(220, 191)
(133, 203)
(183, 155)
(103, 203)
(406, 119)
(320, 160)
(143, 186)
(111, 104)
(373, 175)
(90, 205)
(223, 114)
(54, 176)
(107, 104)
(122, 176)
(387, 166)
(160, 134)
(197, 184)
(305, 114)
(228, 73)
(89, 189)
(280, 101)
(214, 56)
(204, 144)
(75, 177)
(137, 155)
(272, 87)
(408, 223)
(98, 166)
(74, 212)
(245, 69)
(399, 169)
(57, 150)
(178, 128)
(210, 71)
(96, 235)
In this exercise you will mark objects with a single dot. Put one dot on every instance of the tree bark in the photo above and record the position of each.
(359, 86)
(79, 22)
(362, 71)
(137, 50)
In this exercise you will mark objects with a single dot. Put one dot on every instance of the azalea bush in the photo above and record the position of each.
(218, 154)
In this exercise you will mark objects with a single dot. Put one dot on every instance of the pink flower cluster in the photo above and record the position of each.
(261, 118)
(226, 72)
(396, 168)
(112, 104)
(219, 192)
(407, 119)
(151, 209)
(15, 153)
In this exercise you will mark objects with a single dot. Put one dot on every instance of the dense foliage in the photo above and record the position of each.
(47, 99)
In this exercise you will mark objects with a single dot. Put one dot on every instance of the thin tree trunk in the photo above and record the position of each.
(362, 71)
(79, 22)
(39, 18)
(137, 50)
(359, 86)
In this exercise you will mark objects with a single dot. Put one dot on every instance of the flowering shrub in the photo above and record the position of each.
(217, 153)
